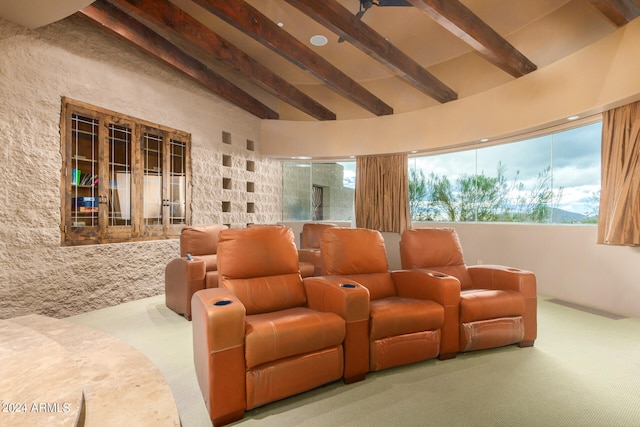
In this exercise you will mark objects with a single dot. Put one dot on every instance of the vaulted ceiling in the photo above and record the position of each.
(381, 57)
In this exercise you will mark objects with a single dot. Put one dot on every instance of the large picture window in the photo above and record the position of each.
(553, 178)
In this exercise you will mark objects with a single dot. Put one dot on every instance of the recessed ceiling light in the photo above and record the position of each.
(484, 140)
(318, 40)
(280, 24)
(571, 118)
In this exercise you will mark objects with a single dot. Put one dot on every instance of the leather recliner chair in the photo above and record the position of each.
(310, 240)
(497, 303)
(265, 334)
(406, 307)
(183, 277)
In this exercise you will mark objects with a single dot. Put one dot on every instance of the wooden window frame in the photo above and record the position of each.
(169, 178)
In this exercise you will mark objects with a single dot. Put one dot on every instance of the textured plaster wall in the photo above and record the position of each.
(72, 58)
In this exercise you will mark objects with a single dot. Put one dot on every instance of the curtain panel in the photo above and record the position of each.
(382, 193)
(619, 216)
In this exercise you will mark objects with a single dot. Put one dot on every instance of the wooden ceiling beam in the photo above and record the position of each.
(252, 22)
(114, 20)
(466, 25)
(187, 32)
(341, 21)
(620, 12)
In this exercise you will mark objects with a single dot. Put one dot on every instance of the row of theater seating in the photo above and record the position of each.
(183, 276)
(265, 333)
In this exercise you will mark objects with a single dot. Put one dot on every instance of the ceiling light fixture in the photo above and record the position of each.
(572, 118)
(318, 40)
(484, 140)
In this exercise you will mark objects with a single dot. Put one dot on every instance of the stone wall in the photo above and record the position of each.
(74, 59)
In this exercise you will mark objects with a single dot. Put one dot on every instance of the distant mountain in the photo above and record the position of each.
(566, 217)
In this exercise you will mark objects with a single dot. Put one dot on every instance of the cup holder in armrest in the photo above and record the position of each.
(347, 285)
(222, 302)
(439, 275)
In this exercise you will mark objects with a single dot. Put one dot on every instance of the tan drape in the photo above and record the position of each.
(382, 193)
(619, 217)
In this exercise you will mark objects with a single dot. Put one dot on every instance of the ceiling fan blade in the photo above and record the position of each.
(393, 3)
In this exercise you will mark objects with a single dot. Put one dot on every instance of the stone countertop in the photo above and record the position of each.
(39, 382)
(50, 361)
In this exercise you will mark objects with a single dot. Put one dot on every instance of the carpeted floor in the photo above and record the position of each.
(583, 371)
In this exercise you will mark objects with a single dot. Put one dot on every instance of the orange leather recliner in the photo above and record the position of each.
(406, 307)
(497, 303)
(266, 334)
(183, 277)
(310, 240)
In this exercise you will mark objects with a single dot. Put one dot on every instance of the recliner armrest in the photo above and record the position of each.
(309, 255)
(223, 315)
(218, 352)
(438, 287)
(182, 278)
(328, 293)
(181, 269)
(504, 278)
(509, 278)
(427, 284)
(351, 302)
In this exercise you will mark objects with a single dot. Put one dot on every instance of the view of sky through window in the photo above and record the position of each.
(349, 174)
(567, 161)
(571, 159)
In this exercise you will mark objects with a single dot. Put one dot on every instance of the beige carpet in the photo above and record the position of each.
(583, 371)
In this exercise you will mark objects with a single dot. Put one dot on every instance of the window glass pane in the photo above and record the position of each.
(552, 178)
(318, 191)
(296, 191)
(84, 172)
(177, 184)
(440, 176)
(119, 175)
(513, 182)
(348, 174)
(331, 199)
(576, 173)
(152, 195)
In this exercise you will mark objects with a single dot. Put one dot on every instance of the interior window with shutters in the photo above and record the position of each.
(123, 179)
